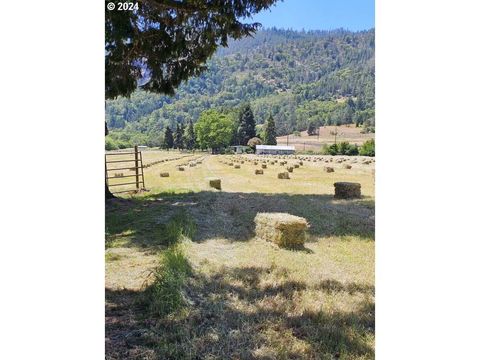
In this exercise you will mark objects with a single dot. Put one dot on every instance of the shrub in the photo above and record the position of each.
(347, 149)
(352, 150)
(123, 145)
(311, 130)
(368, 148)
(344, 148)
(253, 142)
(333, 149)
(110, 144)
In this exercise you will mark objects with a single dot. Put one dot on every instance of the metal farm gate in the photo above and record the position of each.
(118, 168)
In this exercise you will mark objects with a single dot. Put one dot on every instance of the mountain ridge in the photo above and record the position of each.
(323, 77)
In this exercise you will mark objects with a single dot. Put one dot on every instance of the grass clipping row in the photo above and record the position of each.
(282, 229)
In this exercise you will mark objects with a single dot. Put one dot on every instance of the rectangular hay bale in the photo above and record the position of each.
(282, 229)
(347, 190)
(215, 183)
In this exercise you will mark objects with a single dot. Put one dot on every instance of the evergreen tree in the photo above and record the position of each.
(246, 125)
(189, 136)
(311, 129)
(168, 139)
(170, 40)
(351, 103)
(178, 137)
(270, 133)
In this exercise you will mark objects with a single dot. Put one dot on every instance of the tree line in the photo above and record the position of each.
(215, 129)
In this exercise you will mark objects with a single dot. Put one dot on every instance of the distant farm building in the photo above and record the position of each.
(239, 149)
(275, 149)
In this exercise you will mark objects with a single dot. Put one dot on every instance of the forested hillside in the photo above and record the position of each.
(319, 77)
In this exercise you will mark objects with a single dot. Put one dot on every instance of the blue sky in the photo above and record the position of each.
(319, 15)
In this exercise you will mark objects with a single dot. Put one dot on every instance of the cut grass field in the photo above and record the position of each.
(348, 133)
(187, 279)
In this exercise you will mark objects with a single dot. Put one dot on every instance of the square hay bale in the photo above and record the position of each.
(328, 169)
(300, 163)
(347, 166)
(282, 229)
(290, 169)
(215, 183)
(181, 168)
(237, 166)
(258, 172)
(296, 166)
(283, 175)
(230, 164)
(347, 190)
(164, 174)
(264, 166)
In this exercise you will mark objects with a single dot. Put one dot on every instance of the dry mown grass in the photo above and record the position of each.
(348, 133)
(242, 298)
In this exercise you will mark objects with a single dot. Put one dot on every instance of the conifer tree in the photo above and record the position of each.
(168, 139)
(178, 137)
(189, 136)
(246, 125)
(270, 132)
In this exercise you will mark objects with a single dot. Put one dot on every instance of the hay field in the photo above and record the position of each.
(233, 296)
(149, 158)
(307, 179)
(348, 133)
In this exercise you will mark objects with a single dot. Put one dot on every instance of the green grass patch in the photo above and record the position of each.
(165, 295)
(112, 257)
(179, 226)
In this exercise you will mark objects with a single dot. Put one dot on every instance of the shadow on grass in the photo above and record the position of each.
(141, 221)
(230, 314)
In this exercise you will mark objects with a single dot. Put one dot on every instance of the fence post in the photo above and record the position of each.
(137, 178)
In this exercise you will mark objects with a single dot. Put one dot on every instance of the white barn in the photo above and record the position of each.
(274, 149)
